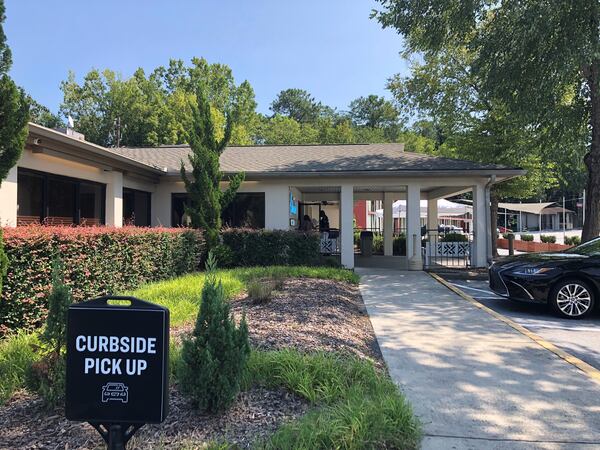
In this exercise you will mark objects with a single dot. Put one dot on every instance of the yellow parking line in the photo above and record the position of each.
(590, 371)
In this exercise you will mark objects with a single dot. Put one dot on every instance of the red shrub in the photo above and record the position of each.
(98, 261)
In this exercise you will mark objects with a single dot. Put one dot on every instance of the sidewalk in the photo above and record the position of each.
(474, 382)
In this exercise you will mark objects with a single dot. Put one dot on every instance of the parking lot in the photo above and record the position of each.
(581, 338)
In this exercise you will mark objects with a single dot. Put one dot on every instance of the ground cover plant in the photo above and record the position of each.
(180, 295)
(330, 391)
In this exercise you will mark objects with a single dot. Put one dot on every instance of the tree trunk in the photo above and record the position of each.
(591, 227)
(494, 200)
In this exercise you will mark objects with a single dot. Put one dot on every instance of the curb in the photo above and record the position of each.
(590, 371)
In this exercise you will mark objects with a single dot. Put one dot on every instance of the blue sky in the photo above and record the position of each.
(329, 47)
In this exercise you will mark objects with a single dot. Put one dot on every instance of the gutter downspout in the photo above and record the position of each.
(488, 218)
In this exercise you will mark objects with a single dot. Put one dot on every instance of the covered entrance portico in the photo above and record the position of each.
(338, 202)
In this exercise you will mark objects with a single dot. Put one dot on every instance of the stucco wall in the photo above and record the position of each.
(114, 181)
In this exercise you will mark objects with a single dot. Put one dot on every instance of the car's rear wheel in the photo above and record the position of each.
(572, 299)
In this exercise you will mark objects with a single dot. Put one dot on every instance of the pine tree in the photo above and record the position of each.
(214, 357)
(206, 198)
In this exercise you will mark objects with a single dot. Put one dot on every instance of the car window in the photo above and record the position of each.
(591, 248)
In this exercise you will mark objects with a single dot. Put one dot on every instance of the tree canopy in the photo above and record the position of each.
(539, 58)
(14, 109)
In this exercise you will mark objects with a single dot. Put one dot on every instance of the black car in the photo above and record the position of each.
(568, 281)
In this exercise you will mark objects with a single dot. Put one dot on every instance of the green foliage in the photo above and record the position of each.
(359, 407)
(47, 376)
(572, 240)
(251, 247)
(17, 354)
(399, 244)
(214, 357)
(180, 294)
(14, 109)
(203, 187)
(453, 237)
(297, 104)
(373, 112)
(527, 237)
(538, 60)
(43, 116)
(59, 300)
(96, 261)
(155, 109)
(548, 239)
(260, 290)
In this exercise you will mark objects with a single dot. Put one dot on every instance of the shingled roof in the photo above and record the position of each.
(273, 160)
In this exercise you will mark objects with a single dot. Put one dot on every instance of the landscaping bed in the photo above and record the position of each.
(315, 378)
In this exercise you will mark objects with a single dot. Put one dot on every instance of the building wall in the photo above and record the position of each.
(114, 181)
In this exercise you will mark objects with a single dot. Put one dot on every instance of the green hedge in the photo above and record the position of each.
(527, 237)
(98, 261)
(247, 247)
(399, 244)
(572, 240)
(548, 239)
(454, 237)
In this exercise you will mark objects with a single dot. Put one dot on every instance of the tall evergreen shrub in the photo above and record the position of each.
(214, 357)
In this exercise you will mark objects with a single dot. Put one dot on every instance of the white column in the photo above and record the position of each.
(413, 227)
(347, 225)
(8, 199)
(277, 207)
(388, 223)
(114, 199)
(432, 216)
(480, 227)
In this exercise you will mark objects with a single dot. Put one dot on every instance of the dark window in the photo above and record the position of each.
(30, 197)
(246, 210)
(58, 200)
(61, 201)
(91, 204)
(136, 207)
(178, 202)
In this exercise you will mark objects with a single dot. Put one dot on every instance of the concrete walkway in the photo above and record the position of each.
(474, 382)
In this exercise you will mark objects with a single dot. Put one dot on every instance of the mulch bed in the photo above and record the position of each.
(307, 315)
(311, 315)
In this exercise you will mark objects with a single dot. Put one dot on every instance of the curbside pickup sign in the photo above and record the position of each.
(117, 361)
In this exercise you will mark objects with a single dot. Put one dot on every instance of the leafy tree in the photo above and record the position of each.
(214, 357)
(203, 186)
(539, 58)
(444, 87)
(297, 104)
(154, 109)
(14, 109)
(14, 115)
(373, 112)
(43, 116)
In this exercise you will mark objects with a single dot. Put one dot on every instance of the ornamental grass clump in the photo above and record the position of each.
(47, 376)
(214, 357)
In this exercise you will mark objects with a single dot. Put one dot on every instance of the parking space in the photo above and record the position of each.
(581, 338)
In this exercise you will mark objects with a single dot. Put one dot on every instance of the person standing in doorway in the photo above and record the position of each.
(323, 221)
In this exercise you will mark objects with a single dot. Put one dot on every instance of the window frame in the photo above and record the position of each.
(76, 213)
(148, 195)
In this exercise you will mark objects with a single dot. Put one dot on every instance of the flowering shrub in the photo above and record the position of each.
(97, 261)
(250, 247)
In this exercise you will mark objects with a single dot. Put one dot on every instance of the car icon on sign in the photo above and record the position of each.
(115, 391)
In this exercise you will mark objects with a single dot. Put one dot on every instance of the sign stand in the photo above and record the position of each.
(116, 435)
(117, 376)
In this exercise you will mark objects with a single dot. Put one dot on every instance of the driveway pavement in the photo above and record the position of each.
(475, 382)
(578, 337)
